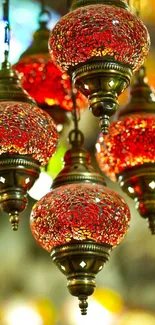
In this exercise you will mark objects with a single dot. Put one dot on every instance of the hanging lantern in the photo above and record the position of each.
(28, 139)
(44, 81)
(100, 45)
(79, 221)
(128, 152)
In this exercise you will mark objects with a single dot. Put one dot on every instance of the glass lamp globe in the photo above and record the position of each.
(84, 212)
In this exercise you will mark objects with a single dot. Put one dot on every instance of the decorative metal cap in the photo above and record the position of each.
(10, 87)
(39, 44)
(81, 3)
(142, 95)
(78, 166)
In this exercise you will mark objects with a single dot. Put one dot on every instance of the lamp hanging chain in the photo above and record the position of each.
(6, 31)
(76, 137)
(44, 16)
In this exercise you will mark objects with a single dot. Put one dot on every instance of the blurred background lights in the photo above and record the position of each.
(137, 317)
(43, 183)
(105, 307)
(22, 315)
(24, 21)
(41, 186)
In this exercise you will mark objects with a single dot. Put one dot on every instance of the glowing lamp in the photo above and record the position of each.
(28, 138)
(128, 152)
(79, 222)
(44, 82)
(100, 45)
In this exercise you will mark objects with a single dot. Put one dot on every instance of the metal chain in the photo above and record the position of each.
(76, 137)
(6, 30)
(44, 15)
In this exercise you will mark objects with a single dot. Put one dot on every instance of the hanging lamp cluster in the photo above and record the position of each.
(28, 137)
(100, 44)
(80, 220)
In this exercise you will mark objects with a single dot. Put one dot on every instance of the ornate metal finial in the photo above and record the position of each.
(14, 219)
(83, 305)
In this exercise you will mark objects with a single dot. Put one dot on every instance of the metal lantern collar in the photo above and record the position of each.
(79, 244)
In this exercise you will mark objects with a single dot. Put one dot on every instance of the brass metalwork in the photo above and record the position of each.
(139, 179)
(80, 262)
(10, 86)
(78, 167)
(139, 184)
(102, 81)
(81, 3)
(142, 96)
(17, 175)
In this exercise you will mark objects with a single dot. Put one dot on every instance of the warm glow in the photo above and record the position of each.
(41, 186)
(23, 315)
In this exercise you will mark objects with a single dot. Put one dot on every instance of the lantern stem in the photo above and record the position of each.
(6, 63)
(44, 15)
(76, 137)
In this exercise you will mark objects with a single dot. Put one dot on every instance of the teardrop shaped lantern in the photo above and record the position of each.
(100, 43)
(40, 77)
(79, 221)
(128, 152)
(28, 139)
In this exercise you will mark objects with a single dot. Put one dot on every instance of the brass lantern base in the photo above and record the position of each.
(139, 183)
(102, 80)
(80, 262)
(17, 175)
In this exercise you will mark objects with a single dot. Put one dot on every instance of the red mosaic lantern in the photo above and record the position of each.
(28, 138)
(79, 222)
(100, 45)
(127, 153)
(44, 81)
